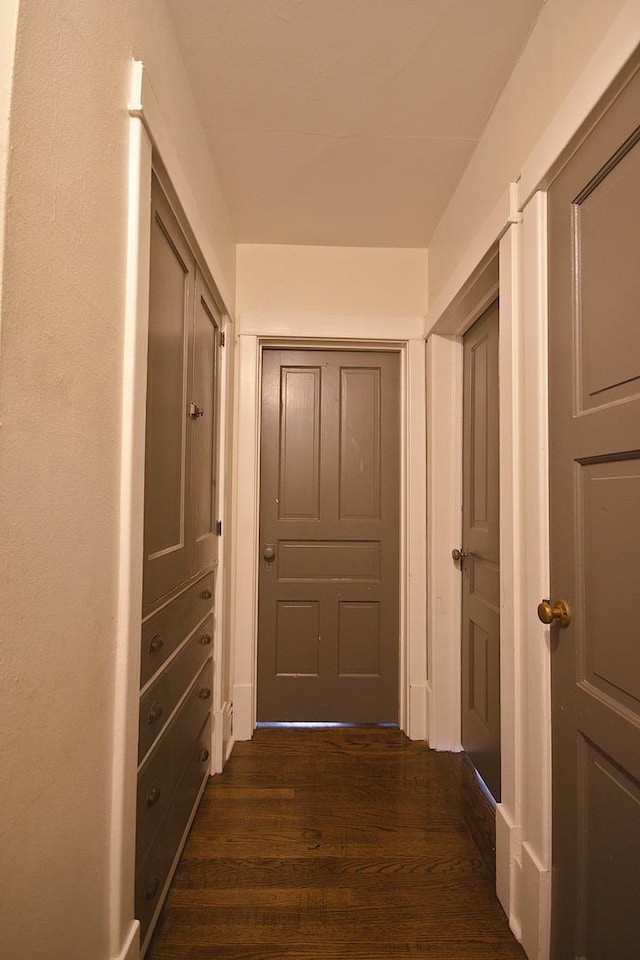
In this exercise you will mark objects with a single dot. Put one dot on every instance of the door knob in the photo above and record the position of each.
(268, 553)
(560, 611)
(459, 554)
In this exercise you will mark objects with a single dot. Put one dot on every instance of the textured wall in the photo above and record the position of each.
(559, 47)
(284, 280)
(61, 355)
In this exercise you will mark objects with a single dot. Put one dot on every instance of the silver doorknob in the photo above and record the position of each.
(268, 553)
(459, 554)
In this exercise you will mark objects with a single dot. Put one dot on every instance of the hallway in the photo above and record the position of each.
(336, 843)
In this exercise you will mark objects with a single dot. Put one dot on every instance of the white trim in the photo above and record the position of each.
(131, 947)
(613, 54)
(475, 256)
(535, 693)
(414, 695)
(512, 547)
(331, 327)
(444, 508)
(219, 608)
(145, 106)
(413, 710)
(127, 657)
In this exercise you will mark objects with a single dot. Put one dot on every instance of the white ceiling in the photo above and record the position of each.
(346, 122)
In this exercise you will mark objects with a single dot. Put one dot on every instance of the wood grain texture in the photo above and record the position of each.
(344, 844)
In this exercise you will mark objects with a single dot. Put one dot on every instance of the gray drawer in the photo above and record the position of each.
(153, 871)
(165, 765)
(157, 703)
(167, 628)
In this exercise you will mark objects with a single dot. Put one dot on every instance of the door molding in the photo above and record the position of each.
(413, 659)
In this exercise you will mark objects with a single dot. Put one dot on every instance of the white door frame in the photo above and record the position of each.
(406, 337)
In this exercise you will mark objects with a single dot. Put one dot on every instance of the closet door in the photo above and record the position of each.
(167, 551)
(203, 405)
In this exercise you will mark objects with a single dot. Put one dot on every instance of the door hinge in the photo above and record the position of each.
(222, 338)
(219, 528)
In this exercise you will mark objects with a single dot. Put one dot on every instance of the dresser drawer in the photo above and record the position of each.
(163, 769)
(167, 628)
(157, 703)
(153, 870)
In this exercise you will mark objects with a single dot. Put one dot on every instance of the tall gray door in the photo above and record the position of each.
(594, 355)
(480, 563)
(329, 510)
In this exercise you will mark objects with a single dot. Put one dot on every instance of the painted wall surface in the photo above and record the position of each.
(562, 41)
(285, 280)
(155, 45)
(61, 356)
(8, 28)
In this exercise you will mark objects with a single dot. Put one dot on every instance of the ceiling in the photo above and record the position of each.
(346, 122)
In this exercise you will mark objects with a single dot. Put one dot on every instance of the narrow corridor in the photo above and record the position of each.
(337, 844)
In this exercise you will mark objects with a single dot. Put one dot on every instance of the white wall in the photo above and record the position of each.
(155, 46)
(561, 43)
(61, 358)
(8, 27)
(295, 281)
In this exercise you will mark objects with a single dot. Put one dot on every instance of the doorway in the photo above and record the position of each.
(329, 537)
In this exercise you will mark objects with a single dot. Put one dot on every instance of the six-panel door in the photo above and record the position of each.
(329, 580)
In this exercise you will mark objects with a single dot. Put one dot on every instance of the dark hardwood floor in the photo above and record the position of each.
(339, 844)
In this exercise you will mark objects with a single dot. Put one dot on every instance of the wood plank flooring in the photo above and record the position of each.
(339, 844)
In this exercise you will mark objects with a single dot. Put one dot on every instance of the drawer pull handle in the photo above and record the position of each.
(206, 595)
(155, 713)
(205, 693)
(152, 889)
(153, 795)
(204, 756)
(205, 639)
(156, 643)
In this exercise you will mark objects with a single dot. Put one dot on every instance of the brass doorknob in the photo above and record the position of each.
(560, 611)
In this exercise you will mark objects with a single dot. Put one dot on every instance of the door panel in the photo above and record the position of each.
(204, 441)
(328, 619)
(481, 541)
(171, 291)
(594, 399)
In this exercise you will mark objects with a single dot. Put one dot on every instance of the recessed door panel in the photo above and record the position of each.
(204, 428)
(171, 289)
(299, 467)
(329, 512)
(594, 432)
(360, 428)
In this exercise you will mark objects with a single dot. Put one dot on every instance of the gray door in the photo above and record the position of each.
(481, 544)
(329, 509)
(594, 357)
(167, 559)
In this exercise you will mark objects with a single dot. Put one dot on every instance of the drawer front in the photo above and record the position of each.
(163, 769)
(166, 629)
(153, 871)
(160, 699)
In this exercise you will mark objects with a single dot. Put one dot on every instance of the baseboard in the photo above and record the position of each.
(509, 868)
(536, 905)
(243, 711)
(130, 950)
(418, 712)
(478, 813)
